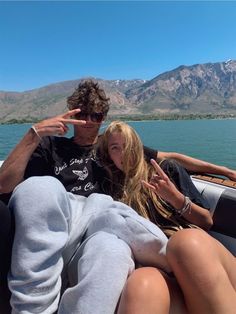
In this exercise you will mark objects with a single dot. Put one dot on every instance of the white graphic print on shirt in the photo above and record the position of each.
(82, 174)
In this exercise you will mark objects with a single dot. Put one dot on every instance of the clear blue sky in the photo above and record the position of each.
(43, 42)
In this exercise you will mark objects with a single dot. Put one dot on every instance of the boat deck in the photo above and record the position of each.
(216, 180)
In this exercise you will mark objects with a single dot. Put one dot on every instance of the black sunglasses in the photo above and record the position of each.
(94, 116)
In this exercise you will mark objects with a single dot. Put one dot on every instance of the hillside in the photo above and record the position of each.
(196, 89)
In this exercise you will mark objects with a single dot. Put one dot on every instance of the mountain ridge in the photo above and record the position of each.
(208, 88)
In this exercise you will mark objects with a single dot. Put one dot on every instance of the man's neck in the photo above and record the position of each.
(85, 140)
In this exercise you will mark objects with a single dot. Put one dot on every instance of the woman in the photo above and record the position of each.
(201, 265)
(123, 156)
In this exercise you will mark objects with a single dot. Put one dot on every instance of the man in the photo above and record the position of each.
(75, 163)
(51, 223)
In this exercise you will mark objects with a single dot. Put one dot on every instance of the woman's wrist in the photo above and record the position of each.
(182, 204)
(187, 207)
(178, 201)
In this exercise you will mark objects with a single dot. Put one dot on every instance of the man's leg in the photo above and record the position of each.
(98, 273)
(146, 240)
(42, 211)
(6, 239)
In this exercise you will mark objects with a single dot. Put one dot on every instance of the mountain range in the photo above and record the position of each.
(198, 89)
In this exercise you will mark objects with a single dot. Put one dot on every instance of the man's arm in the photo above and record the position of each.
(197, 165)
(13, 169)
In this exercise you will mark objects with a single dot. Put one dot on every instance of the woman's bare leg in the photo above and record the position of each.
(150, 291)
(205, 270)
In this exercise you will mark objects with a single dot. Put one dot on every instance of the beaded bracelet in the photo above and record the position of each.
(36, 132)
(186, 207)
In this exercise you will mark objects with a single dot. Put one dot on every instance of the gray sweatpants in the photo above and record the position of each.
(57, 231)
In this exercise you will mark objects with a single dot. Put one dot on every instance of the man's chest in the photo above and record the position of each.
(78, 171)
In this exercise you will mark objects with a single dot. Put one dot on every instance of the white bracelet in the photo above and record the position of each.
(186, 207)
(36, 132)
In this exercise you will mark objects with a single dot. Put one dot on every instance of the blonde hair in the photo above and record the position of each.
(135, 169)
(126, 185)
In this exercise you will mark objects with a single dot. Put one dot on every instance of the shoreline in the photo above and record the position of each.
(143, 118)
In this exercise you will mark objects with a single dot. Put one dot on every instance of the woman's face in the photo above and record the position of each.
(116, 145)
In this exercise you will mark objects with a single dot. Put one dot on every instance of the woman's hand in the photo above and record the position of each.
(57, 125)
(164, 188)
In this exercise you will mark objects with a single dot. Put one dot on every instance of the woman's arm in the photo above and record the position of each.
(163, 187)
(197, 165)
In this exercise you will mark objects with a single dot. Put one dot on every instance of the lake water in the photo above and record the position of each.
(211, 140)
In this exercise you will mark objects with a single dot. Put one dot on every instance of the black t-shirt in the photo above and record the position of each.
(149, 153)
(77, 167)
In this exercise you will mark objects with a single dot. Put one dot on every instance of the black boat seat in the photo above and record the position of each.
(222, 199)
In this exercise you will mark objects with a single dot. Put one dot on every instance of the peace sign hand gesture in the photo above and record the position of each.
(164, 188)
(57, 125)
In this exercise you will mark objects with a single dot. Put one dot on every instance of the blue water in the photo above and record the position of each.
(211, 140)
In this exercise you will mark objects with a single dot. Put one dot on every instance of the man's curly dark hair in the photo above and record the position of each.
(89, 97)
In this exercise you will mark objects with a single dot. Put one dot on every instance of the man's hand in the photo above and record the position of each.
(232, 175)
(57, 125)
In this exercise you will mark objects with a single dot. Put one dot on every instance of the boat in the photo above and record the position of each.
(221, 195)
